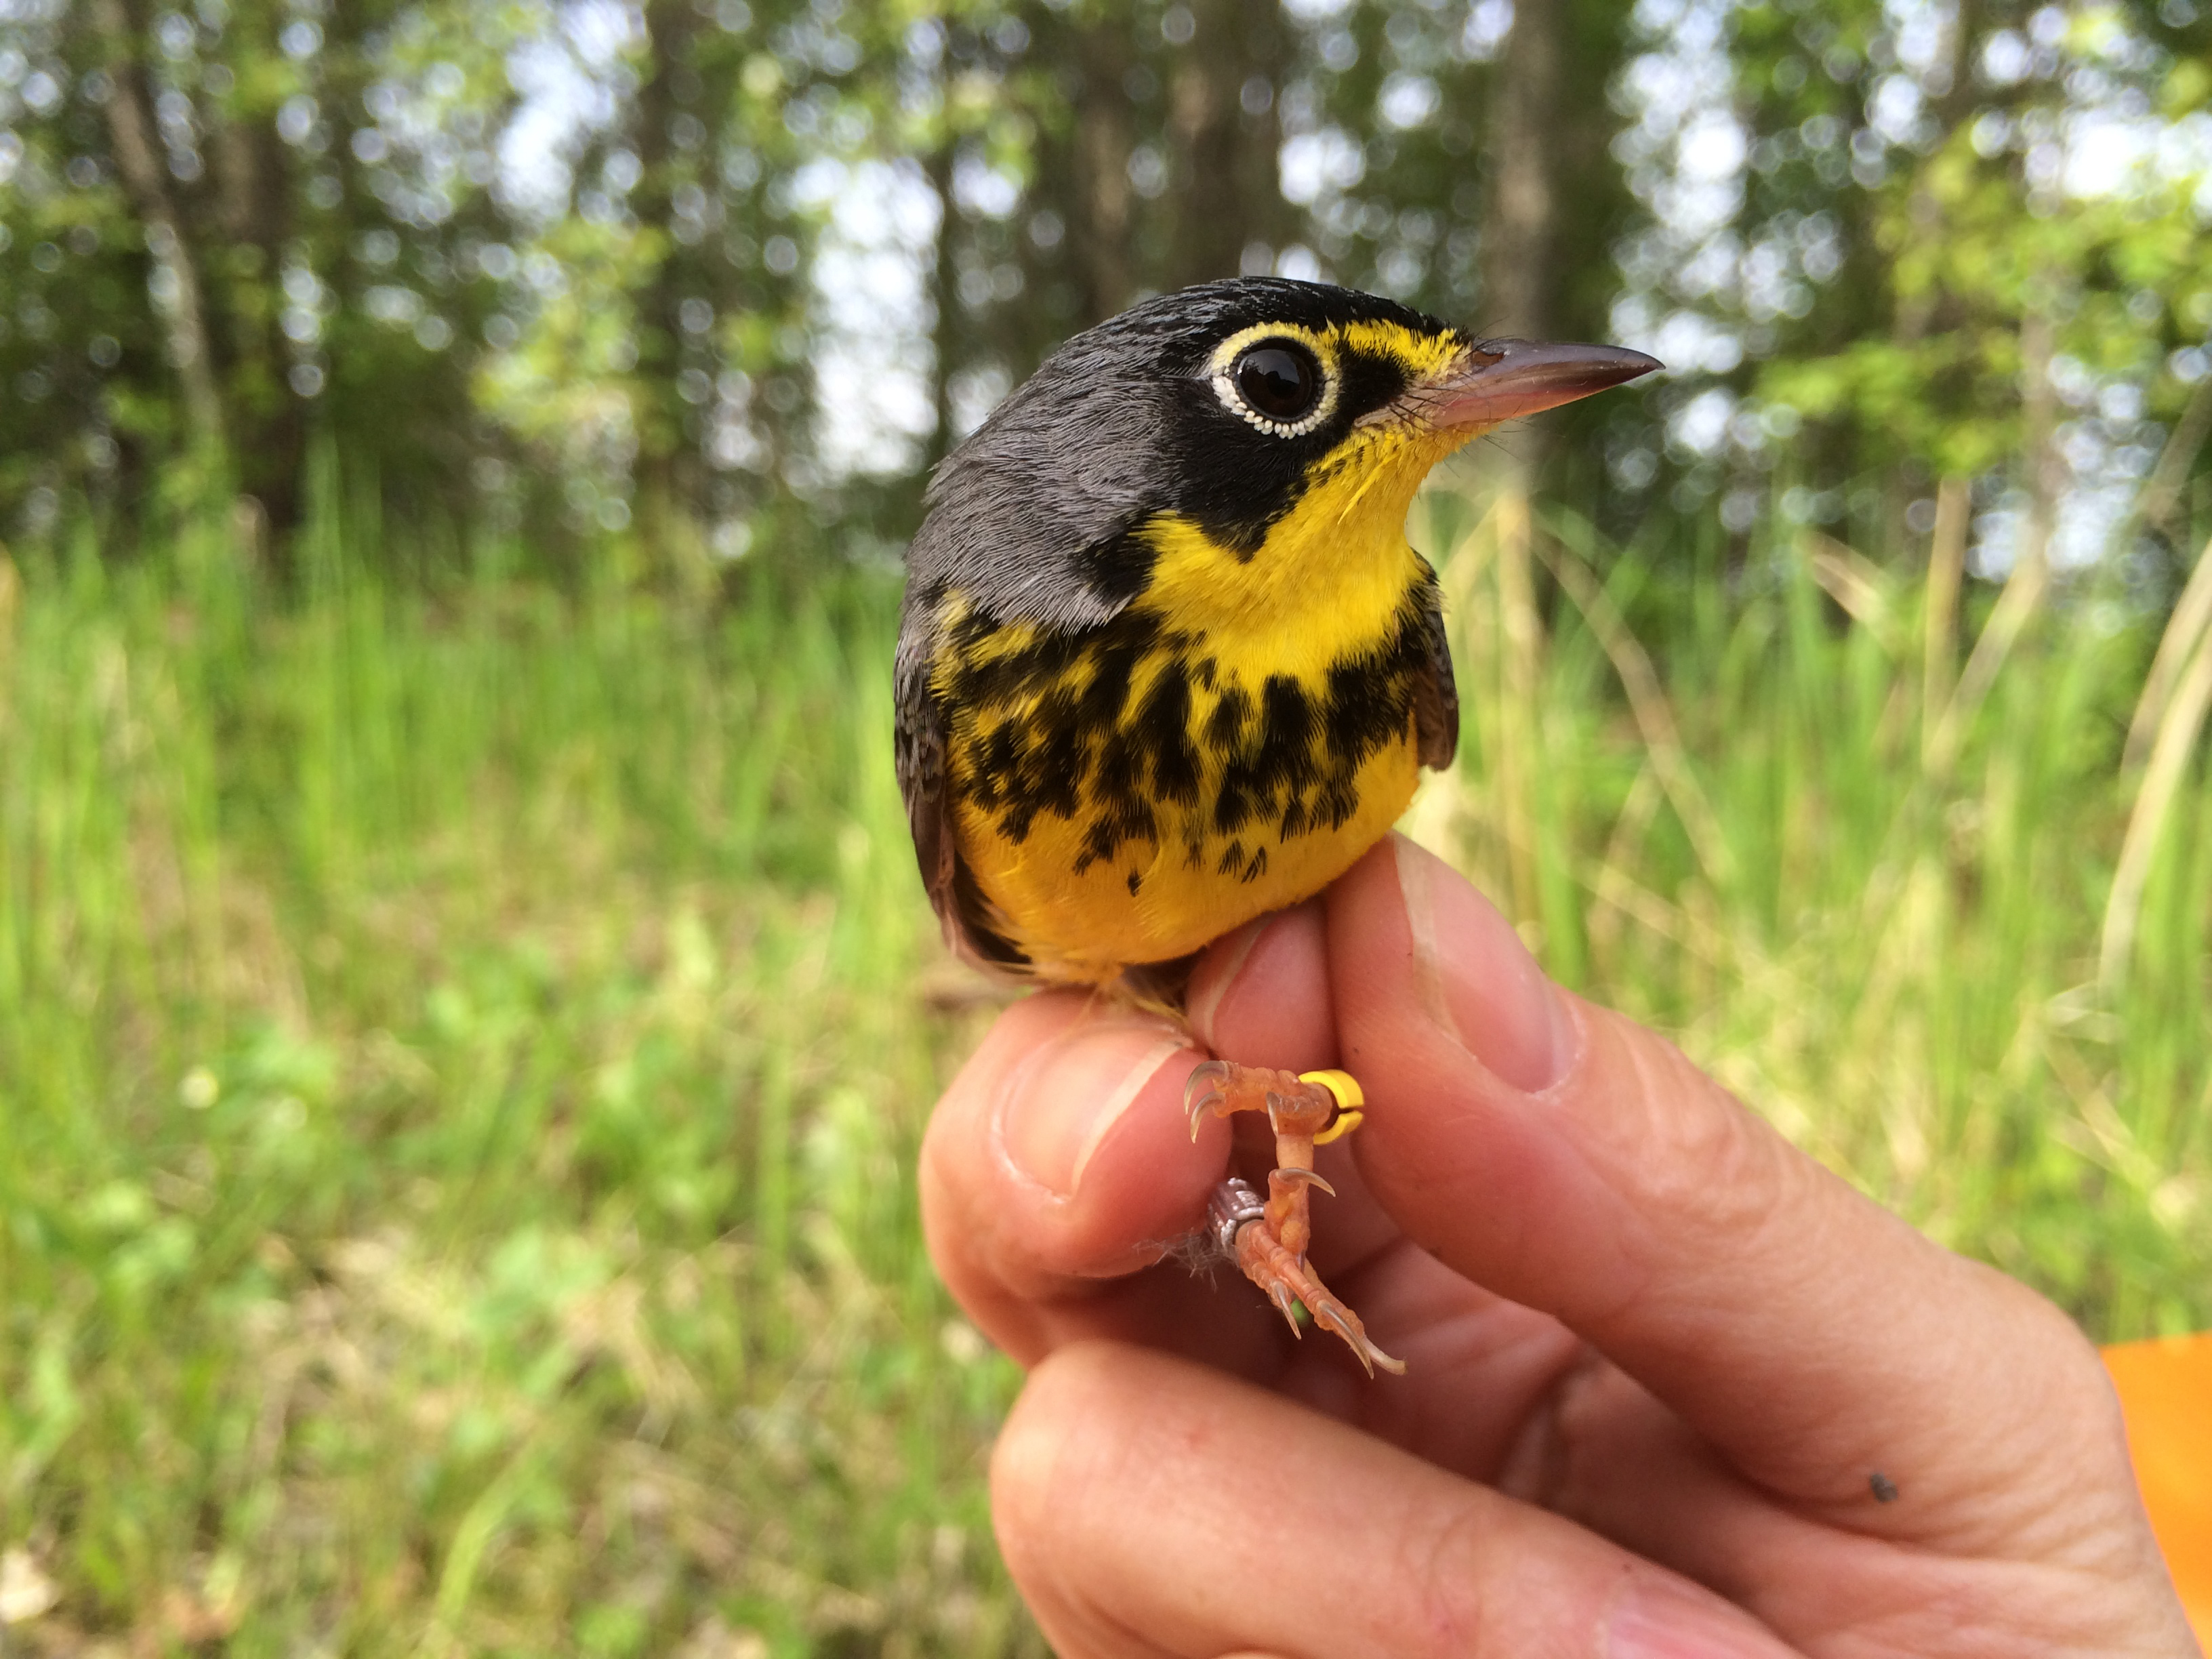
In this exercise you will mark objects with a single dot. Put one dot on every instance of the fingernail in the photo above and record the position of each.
(1478, 981)
(1058, 1109)
(1655, 1619)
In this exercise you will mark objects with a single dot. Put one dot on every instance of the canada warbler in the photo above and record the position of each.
(1167, 661)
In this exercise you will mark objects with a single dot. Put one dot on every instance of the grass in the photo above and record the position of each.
(459, 1067)
(1874, 905)
(462, 1054)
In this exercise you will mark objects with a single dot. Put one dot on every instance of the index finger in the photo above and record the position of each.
(1816, 1339)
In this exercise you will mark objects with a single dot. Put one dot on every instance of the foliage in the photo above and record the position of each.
(458, 1058)
(706, 265)
(1961, 241)
(1890, 948)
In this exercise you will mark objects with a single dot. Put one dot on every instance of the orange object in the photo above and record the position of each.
(2166, 1391)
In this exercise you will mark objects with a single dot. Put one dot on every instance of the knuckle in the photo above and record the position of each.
(1027, 1468)
(1696, 1156)
(2058, 1352)
(1453, 1607)
(1065, 1433)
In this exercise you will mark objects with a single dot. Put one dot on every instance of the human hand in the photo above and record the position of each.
(1674, 1388)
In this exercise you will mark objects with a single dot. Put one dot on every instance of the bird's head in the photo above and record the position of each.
(1261, 437)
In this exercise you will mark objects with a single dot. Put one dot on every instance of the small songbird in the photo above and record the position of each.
(1167, 661)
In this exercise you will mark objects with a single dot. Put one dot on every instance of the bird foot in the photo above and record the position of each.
(1268, 1237)
(1323, 1106)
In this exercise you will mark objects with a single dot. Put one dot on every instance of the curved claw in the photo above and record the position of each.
(1205, 1073)
(1280, 1294)
(1329, 1316)
(1275, 1108)
(1200, 1096)
(1291, 1172)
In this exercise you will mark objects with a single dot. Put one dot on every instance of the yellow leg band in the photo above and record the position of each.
(1342, 1085)
(1350, 1097)
(1344, 1124)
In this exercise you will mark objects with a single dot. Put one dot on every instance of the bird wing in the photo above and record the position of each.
(918, 749)
(1436, 694)
(919, 754)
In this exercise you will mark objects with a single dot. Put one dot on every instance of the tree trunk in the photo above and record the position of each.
(145, 180)
(669, 510)
(1103, 225)
(943, 293)
(1520, 225)
(1916, 314)
(1226, 156)
(1521, 219)
(253, 210)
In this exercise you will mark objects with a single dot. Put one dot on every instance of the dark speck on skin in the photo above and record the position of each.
(1883, 1488)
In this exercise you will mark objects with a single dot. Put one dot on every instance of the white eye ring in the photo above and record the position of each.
(1233, 399)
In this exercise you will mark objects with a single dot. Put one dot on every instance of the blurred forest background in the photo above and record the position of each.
(731, 273)
(466, 1006)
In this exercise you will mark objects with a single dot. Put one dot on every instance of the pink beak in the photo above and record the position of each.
(1502, 380)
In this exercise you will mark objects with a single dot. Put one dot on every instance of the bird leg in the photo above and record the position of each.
(1268, 1239)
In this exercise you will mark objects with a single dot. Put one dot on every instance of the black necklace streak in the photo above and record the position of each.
(1289, 761)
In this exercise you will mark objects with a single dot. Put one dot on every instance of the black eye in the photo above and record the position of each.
(1279, 381)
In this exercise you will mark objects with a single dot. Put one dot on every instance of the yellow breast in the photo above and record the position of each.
(1229, 744)
(1078, 917)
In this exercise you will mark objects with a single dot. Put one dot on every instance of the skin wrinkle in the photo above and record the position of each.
(1719, 1529)
(2021, 1523)
(2002, 1507)
(1141, 1452)
(1544, 1350)
(1970, 1499)
(1100, 1618)
(1459, 1603)
(1873, 1566)
(1539, 1462)
(1090, 1610)
(1779, 1212)
(1607, 1424)
(1875, 1572)
(1929, 1607)
(1711, 1181)
(1951, 1511)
